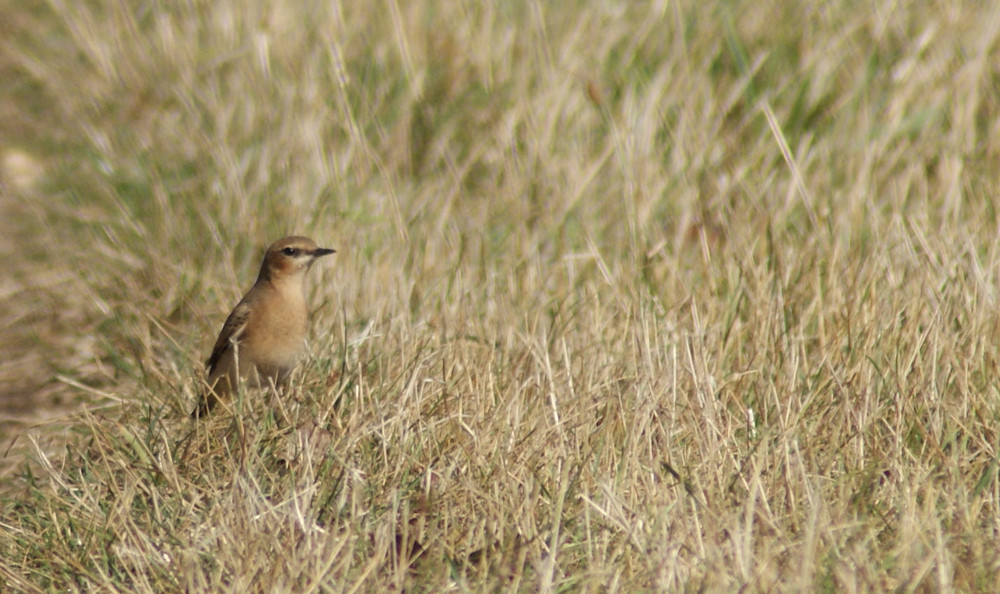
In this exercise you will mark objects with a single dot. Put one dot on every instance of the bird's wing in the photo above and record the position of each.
(233, 330)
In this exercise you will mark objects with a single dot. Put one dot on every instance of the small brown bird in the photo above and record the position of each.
(264, 336)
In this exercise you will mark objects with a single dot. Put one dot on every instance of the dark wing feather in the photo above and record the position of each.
(232, 331)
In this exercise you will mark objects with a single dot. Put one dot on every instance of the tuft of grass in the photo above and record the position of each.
(628, 297)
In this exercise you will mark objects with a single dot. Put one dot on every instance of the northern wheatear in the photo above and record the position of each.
(264, 336)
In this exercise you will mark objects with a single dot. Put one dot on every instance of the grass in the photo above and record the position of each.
(628, 296)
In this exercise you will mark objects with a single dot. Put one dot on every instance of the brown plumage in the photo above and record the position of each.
(264, 336)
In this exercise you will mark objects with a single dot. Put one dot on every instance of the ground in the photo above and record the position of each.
(627, 296)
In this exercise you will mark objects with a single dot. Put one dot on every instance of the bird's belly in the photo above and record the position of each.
(273, 363)
(273, 343)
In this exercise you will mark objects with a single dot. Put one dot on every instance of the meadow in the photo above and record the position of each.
(628, 296)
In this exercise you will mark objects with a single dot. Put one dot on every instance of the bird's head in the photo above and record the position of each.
(291, 256)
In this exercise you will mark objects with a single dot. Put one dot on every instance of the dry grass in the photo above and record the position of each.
(627, 296)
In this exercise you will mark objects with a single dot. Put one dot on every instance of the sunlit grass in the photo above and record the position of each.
(627, 296)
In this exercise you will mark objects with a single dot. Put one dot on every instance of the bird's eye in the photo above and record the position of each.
(290, 251)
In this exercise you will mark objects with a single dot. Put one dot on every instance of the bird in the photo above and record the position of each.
(264, 336)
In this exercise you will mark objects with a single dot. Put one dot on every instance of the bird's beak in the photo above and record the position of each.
(322, 252)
